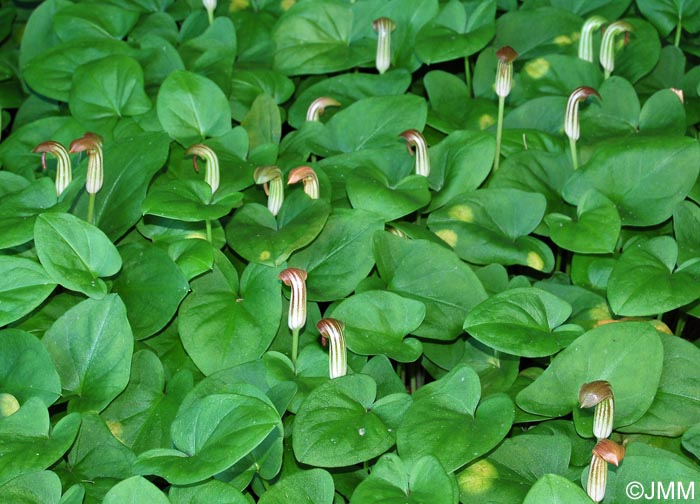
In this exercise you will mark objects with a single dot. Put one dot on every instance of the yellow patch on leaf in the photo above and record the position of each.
(448, 236)
(462, 213)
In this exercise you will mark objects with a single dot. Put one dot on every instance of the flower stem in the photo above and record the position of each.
(295, 348)
(210, 13)
(208, 224)
(679, 29)
(574, 157)
(91, 208)
(499, 131)
(468, 75)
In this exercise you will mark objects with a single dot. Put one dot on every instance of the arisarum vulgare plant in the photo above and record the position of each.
(307, 176)
(605, 452)
(210, 6)
(296, 319)
(211, 174)
(572, 127)
(383, 26)
(333, 330)
(271, 178)
(92, 144)
(414, 139)
(585, 43)
(63, 165)
(504, 83)
(607, 46)
(599, 394)
(318, 107)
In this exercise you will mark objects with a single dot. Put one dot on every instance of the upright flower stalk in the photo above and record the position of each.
(607, 46)
(504, 82)
(585, 44)
(63, 167)
(383, 26)
(211, 175)
(271, 178)
(604, 453)
(210, 6)
(599, 394)
(307, 176)
(414, 139)
(92, 144)
(296, 279)
(318, 107)
(571, 123)
(332, 330)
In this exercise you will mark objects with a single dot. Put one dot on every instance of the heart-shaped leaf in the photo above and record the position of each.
(24, 284)
(556, 490)
(304, 487)
(136, 490)
(76, 254)
(189, 201)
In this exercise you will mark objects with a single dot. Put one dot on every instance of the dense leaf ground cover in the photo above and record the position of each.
(446, 302)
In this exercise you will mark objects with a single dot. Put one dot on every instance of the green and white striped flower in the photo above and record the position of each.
(332, 330)
(211, 175)
(599, 394)
(571, 122)
(504, 71)
(318, 107)
(308, 177)
(92, 144)
(607, 46)
(63, 167)
(415, 139)
(271, 178)
(383, 26)
(585, 44)
(604, 453)
(296, 279)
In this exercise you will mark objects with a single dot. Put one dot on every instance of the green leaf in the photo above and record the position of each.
(100, 20)
(459, 164)
(130, 163)
(616, 113)
(212, 53)
(676, 405)
(394, 481)
(336, 426)
(33, 488)
(645, 177)
(141, 416)
(151, 286)
(18, 212)
(260, 237)
(444, 420)
(222, 323)
(667, 14)
(91, 346)
(519, 322)
(192, 108)
(640, 56)
(189, 201)
(24, 285)
(347, 89)
(459, 30)
(556, 489)
(193, 256)
(210, 436)
(319, 38)
(644, 281)
(136, 490)
(612, 352)
(75, 253)
(28, 443)
(340, 256)
(247, 85)
(376, 322)
(492, 225)
(595, 231)
(663, 114)
(557, 74)
(686, 228)
(106, 90)
(446, 286)
(51, 72)
(209, 491)
(371, 123)
(263, 122)
(305, 487)
(26, 368)
(370, 189)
